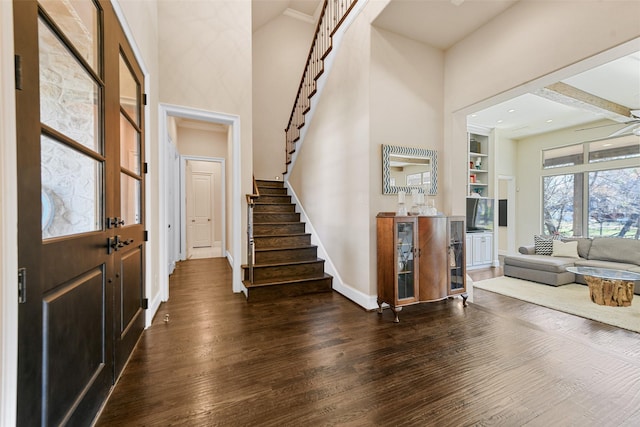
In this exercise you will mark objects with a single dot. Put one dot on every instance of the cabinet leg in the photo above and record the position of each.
(464, 299)
(379, 307)
(396, 310)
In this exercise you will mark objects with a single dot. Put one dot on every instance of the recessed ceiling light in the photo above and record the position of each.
(549, 121)
(499, 121)
(474, 115)
(607, 144)
(511, 110)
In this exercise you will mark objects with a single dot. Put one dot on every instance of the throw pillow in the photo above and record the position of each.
(565, 249)
(543, 246)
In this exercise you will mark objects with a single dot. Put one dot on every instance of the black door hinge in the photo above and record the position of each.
(145, 236)
(145, 167)
(17, 60)
(22, 285)
(145, 303)
(144, 99)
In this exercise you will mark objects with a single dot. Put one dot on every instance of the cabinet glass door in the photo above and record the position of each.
(405, 242)
(457, 256)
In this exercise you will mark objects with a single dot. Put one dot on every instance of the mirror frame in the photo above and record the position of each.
(389, 150)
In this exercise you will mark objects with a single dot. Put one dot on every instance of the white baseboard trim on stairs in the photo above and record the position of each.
(368, 302)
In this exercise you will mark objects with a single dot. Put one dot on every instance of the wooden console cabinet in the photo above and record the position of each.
(420, 259)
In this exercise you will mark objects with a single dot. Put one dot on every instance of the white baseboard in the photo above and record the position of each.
(368, 302)
(152, 309)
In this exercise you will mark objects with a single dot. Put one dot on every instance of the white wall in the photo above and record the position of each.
(280, 49)
(8, 222)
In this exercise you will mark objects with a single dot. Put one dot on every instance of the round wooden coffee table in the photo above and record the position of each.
(608, 286)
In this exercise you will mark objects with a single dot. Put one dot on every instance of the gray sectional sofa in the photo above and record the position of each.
(600, 252)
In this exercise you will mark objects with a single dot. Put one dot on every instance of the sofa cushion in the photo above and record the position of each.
(584, 244)
(544, 245)
(565, 249)
(596, 263)
(527, 250)
(540, 262)
(615, 249)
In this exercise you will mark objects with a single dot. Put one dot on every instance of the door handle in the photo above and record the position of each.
(114, 244)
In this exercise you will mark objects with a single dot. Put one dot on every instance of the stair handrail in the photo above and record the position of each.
(251, 201)
(331, 17)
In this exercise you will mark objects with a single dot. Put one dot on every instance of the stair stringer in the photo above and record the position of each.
(368, 302)
(336, 41)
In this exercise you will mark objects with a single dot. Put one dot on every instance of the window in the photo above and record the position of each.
(625, 147)
(563, 156)
(610, 198)
(614, 203)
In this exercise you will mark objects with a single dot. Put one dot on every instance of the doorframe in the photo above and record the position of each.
(511, 212)
(233, 121)
(183, 201)
(8, 223)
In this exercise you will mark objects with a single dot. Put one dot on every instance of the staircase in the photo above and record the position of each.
(285, 262)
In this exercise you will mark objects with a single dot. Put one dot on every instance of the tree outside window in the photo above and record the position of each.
(611, 198)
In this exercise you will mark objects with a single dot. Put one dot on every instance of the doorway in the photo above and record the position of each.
(506, 215)
(232, 196)
(203, 190)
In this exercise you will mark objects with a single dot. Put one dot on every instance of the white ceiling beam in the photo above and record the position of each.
(573, 97)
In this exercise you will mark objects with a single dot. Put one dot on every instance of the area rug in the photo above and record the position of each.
(572, 298)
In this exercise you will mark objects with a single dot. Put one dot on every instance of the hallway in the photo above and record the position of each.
(322, 360)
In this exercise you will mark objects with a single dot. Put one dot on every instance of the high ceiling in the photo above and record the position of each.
(443, 23)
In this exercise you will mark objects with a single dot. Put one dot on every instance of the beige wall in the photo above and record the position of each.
(203, 143)
(331, 176)
(280, 49)
(382, 89)
(206, 64)
(526, 42)
(419, 94)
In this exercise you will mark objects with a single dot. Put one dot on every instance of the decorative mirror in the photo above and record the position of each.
(405, 168)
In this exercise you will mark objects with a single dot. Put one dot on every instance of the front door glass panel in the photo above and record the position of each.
(68, 93)
(130, 199)
(78, 20)
(129, 146)
(71, 190)
(129, 90)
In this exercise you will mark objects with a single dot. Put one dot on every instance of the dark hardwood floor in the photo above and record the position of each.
(322, 360)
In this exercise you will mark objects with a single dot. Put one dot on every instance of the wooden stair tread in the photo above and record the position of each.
(282, 235)
(247, 284)
(283, 264)
(284, 248)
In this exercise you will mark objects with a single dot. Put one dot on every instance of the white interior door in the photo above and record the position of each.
(202, 186)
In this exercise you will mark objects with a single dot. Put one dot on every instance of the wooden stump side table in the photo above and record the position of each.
(609, 287)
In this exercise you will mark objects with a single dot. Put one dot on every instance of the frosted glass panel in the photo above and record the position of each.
(68, 94)
(78, 19)
(130, 199)
(129, 146)
(71, 190)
